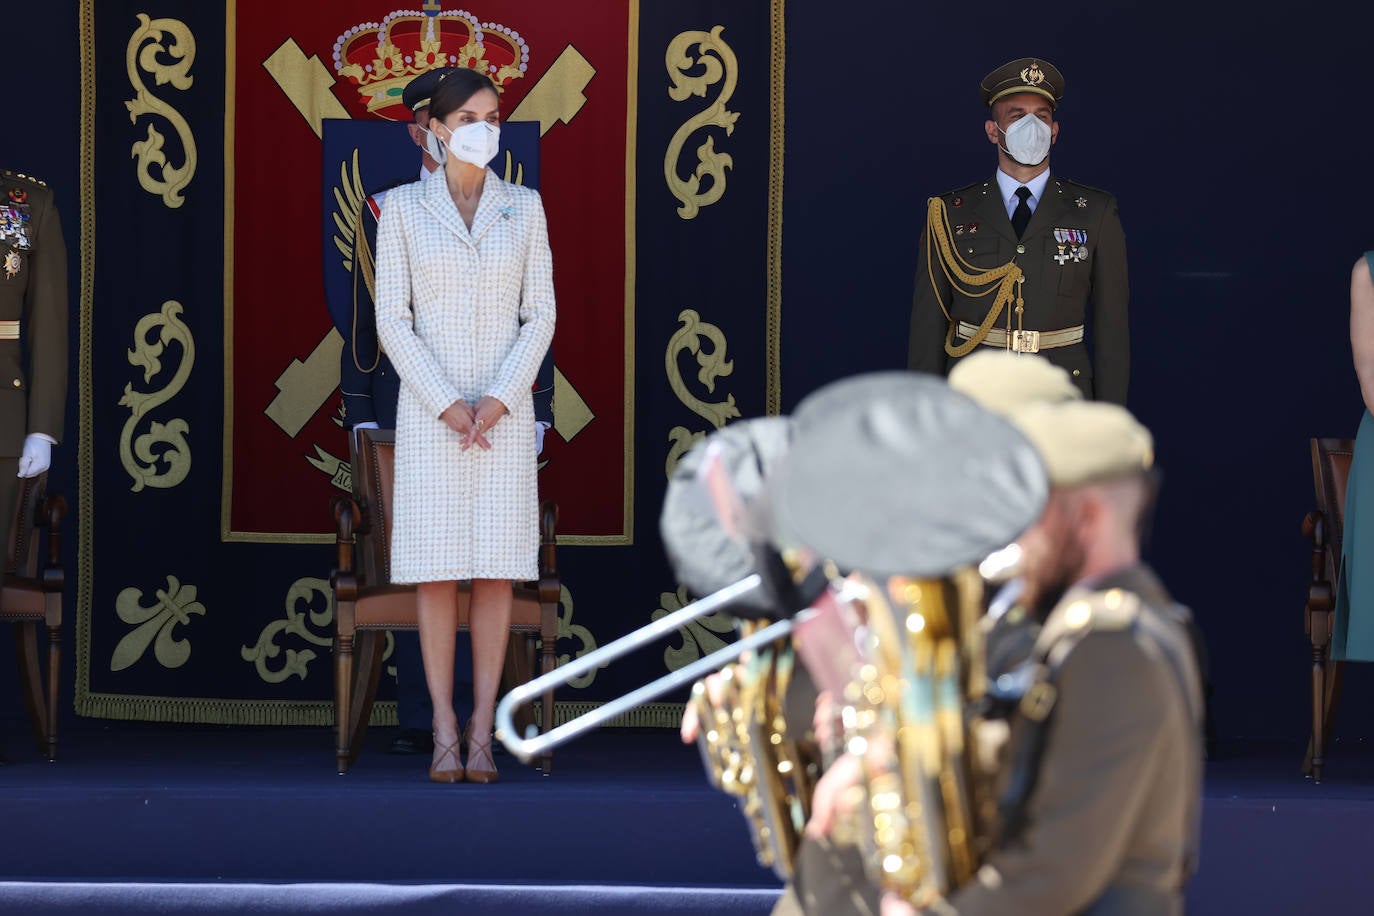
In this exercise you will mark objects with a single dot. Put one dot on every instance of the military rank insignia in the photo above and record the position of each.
(12, 265)
(19, 195)
(1076, 241)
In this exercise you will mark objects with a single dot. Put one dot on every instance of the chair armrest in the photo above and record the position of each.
(1321, 597)
(347, 516)
(52, 510)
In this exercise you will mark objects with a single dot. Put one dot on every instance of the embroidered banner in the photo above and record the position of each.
(209, 370)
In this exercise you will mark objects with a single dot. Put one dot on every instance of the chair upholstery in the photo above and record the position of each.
(30, 597)
(1325, 525)
(367, 603)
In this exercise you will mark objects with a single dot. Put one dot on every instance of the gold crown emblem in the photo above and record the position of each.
(1033, 75)
(380, 58)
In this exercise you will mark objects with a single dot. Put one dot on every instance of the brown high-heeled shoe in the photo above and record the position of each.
(477, 750)
(445, 751)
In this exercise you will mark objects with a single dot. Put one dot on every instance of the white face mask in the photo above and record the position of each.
(1028, 140)
(434, 147)
(474, 143)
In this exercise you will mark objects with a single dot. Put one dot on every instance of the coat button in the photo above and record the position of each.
(1020, 249)
(1076, 373)
(16, 383)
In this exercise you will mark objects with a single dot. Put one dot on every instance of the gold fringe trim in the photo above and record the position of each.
(85, 461)
(199, 710)
(776, 135)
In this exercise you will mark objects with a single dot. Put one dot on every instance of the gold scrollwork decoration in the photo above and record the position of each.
(146, 46)
(568, 630)
(712, 363)
(717, 62)
(160, 457)
(309, 616)
(154, 625)
(683, 439)
(699, 637)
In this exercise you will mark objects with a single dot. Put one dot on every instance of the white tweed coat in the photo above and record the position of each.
(464, 314)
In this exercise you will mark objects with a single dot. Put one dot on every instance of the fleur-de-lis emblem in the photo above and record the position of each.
(174, 607)
(699, 637)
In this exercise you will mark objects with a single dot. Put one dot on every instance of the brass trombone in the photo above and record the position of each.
(532, 745)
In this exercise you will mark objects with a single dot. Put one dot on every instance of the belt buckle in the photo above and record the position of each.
(1038, 701)
(1025, 341)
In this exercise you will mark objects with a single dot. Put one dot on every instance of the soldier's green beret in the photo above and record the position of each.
(1003, 382)
(418, 91)
(1029, 74)
(1086, 441)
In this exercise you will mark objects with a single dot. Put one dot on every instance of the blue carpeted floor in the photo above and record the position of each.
(139, 818)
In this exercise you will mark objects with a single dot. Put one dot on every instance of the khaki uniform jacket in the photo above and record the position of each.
(1111, 823)
(1060, 291)
(33, 291)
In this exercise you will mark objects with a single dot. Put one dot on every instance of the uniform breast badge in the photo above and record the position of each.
(12, 220)
(19, 195)
(12, 265)
(1076, 241)
(1081, 202)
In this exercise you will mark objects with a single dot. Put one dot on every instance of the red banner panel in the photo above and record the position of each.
(567, 65)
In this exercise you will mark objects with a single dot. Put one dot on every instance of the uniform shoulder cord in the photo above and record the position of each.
(967, 278)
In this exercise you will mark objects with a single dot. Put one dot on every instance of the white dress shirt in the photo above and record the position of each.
(1008, 185)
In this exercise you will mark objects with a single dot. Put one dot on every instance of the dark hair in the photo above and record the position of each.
(455, 89)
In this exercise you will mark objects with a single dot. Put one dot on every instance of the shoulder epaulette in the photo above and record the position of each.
(29, 178)
(1097, 612)
(959, 192)
(1079, 186)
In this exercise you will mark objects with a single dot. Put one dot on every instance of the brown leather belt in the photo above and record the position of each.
(1024, 341)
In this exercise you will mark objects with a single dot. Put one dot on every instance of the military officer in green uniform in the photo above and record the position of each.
(1025, 260)
(33, 333)
(1101, 790)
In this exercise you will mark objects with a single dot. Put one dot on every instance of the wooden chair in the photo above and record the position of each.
(1324, 526)
(30, 597)
(367, 604)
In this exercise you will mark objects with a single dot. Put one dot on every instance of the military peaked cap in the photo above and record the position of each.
(419, 90)
(1029, 74)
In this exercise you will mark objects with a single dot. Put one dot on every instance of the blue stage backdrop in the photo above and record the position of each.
(1234, 144)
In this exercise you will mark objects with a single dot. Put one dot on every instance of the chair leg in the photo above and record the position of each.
(31, 680)
(550, 661)
(519, 670)
(367, 666)
(54, 685)
(1335, 675)
(1318, 740)
(343, 697)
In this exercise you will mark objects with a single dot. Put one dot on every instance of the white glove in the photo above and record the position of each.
(37, 455)
(539, 428)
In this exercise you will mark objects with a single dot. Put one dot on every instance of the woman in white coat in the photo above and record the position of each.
(465, 310)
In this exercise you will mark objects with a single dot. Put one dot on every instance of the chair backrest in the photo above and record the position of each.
(1330, 471)
(23, 550)
(374, 471)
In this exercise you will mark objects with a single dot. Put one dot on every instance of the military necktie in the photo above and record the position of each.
(1020, 217)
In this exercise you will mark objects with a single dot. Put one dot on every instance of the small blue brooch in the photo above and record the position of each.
(506, 211)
